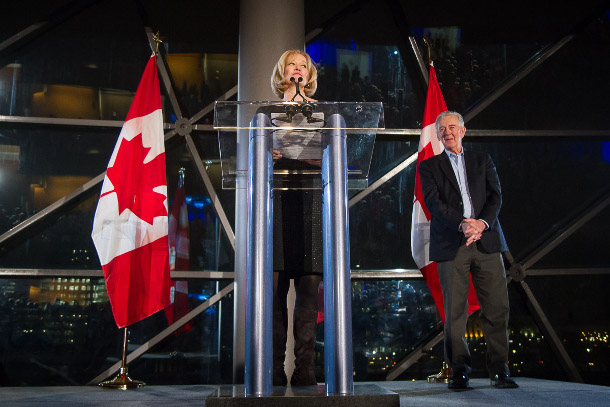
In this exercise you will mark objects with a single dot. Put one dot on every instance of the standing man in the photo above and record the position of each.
(462, 192)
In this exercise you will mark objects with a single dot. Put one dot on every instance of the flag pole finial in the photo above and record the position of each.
(429, 47)
(157, 38)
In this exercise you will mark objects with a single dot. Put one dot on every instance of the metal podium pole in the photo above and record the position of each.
(338, 363)
(259, 308)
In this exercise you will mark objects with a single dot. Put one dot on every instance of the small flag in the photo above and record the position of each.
(179, 255)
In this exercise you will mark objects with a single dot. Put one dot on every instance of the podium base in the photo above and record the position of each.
(365, 395)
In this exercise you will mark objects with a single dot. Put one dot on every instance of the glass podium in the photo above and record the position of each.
(298, 145)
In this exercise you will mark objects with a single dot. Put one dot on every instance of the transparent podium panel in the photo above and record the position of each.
(300, 134)
(297, 146)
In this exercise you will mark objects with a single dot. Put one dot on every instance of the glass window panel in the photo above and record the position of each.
(201, 78)
(208, 148)
(538, 178)
(54, 337)
(40, 165)
(584, 248)
(368, 65)
(59, 241)
(389, 152)
(200, 352)
(467, 69)
(59, 338)
(530, 353)
(536, 169)
(90, 76)
(567, 91)
(209, 246)
(389, 319)
(582, 326)
(45, 173)
(380, 225)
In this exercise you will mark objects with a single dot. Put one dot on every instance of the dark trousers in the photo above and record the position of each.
(489, 280)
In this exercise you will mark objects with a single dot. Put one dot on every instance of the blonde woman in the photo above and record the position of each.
(297, 239)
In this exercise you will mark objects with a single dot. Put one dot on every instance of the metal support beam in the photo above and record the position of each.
(414, 356)
(220, 212)
(390, 174)
(206, 110)
(516, 77)
(51, 208)
(419, 58)
(568, 230)
(552, 336)
(13, 44)
(397, 274)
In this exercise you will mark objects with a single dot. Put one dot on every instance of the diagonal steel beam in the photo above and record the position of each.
(59, 203)
(203, 112)
(351, 8)
(13, 44)
(419, 58)
(52, 208)
(553, 338)
(568, 230)
(414, 356)
(213, 195)
(517, 76)
(390, 174)
(146, 346)
(99, 178)
(521, 73)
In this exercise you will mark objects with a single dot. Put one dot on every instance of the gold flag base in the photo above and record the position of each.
(441, 377)
(122, 381)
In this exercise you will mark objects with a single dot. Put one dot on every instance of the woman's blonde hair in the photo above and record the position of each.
(279, 84)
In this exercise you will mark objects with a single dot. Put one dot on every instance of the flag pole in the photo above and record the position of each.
(122, 381)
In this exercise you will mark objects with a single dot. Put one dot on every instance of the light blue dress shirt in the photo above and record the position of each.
(459, 169)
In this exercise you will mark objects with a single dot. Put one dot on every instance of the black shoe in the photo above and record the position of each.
(459, 382)
(503, 381)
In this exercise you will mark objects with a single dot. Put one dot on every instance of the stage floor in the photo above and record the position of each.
(532, 393)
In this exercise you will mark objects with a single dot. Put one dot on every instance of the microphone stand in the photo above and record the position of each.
(307, 107)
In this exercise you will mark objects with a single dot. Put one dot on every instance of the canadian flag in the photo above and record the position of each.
(130, 225)
(430, 145)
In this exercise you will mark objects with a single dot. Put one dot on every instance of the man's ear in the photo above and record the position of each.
(463, 131)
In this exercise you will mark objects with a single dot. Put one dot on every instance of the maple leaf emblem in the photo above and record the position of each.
(134, 181)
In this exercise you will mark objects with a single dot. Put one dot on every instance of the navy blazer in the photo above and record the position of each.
(444, 201)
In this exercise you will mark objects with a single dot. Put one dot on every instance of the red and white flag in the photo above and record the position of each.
(130, 224)
(430, 145)
(179, 254)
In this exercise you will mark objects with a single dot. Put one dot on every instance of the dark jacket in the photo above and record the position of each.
(444, 201)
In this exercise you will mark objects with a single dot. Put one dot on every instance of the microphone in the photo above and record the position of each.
(296, 87)
(306, 108)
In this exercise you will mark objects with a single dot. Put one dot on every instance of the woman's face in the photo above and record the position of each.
(296, 67)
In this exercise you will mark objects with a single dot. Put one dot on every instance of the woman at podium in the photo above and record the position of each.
(297, 237)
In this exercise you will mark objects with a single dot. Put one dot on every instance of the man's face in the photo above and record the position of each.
(450, 133)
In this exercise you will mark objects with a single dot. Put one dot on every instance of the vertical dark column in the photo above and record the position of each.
(266, 29)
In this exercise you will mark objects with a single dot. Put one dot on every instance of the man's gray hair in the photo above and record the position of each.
(448, 113)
